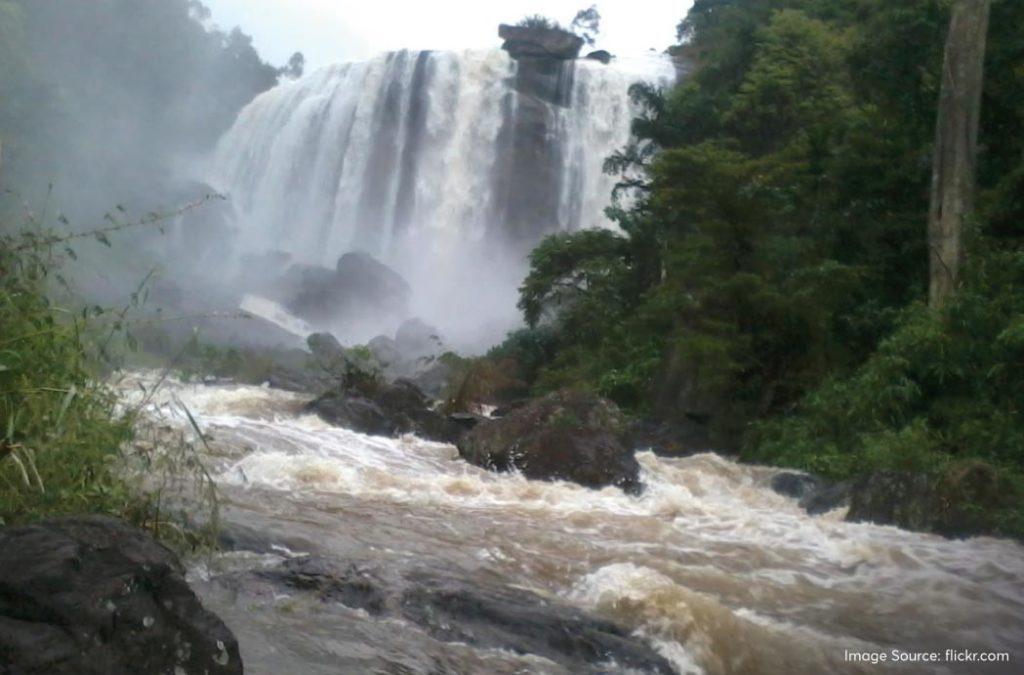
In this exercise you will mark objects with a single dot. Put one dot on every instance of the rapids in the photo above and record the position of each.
(719, 573)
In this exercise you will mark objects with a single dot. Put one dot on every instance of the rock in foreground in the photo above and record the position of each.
(94, 595)
(568, 435)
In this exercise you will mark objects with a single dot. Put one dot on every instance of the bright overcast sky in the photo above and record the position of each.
(327, 31)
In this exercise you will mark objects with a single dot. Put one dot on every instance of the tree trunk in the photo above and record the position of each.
(956, 145)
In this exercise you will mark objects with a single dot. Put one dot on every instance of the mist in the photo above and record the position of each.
(445, 168)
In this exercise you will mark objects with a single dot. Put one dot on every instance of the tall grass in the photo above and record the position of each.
(66, 445)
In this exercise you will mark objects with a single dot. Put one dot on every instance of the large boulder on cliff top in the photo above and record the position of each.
(91, 595)
(539, 42)
(568, 435)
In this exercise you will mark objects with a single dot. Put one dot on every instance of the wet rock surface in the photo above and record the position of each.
(953, 504)
(796, 485)
(384, 409)
(487, 615)
(92, 594)
(358, 286)
(567, 435)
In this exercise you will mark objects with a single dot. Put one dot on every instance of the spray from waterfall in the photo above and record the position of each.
(435, 163)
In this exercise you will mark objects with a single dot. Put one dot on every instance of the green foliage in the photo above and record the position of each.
(587, 24)
(942, 389)
(66, 444)
(573, 274)
(61, 433)
(770, 268)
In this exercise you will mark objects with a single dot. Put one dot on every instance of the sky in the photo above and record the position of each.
(330, 31)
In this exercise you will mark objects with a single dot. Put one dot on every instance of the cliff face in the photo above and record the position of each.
(531, 170)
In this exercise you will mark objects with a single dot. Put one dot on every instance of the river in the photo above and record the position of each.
(715, 570)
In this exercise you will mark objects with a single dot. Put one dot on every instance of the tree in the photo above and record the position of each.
(587, 24)
(295, 68)
(956, 145)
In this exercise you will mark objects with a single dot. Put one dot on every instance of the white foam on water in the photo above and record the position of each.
(706, 556)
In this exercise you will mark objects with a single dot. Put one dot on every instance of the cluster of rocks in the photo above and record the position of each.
(92, 595)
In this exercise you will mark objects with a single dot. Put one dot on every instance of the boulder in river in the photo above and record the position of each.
(483, 614)
(92, 594)
(954, 504)
(568, 435)
(373, 406)
(359, 287)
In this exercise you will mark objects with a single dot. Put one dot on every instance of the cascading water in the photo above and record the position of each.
(448, 166)
(709, 565)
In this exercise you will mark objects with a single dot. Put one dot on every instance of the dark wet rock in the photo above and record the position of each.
(349, 584)
(385, 350)
(795, 485)
(300, 380)
(432, 376)
(957, 503)
(416, 338)
(505, 410)
(384, 409)
(325, 348)
(91, 595)
(359, 287)
(362, 274)
(483, 614)
(568, 435)
(600, 55)
(467, 421)
(539, 42)
(827, 497)
(675, 439)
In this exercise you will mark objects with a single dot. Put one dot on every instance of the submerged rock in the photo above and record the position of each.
(826, 497)
(94, 595)
(795, 485)
(483, 614)
(567, 435)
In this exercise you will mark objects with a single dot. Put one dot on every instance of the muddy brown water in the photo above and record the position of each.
(710, 566)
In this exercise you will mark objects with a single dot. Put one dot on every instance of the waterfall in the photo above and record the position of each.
(434, 162)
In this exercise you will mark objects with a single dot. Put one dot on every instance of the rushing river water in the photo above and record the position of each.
(710, 566)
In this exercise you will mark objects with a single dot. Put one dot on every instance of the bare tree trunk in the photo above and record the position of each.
(956, 145)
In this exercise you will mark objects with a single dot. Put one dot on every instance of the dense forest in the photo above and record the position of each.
(769, 288)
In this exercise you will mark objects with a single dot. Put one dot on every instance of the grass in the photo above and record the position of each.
(66, 445)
